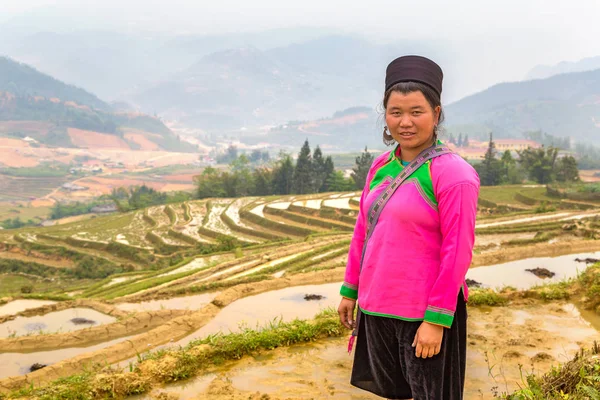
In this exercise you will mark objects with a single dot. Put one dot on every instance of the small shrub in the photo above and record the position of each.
(486, 297)
(26, 289)
(239, 253)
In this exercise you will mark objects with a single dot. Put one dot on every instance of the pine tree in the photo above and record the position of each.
(460, 140)
(318, 170)
(451, 139)
(263, 180)
(283, 175)
(466, 141)
(338, 183)
(303, 173)
(361, 169)
(510, 171)
(490, 170)
(328, 171)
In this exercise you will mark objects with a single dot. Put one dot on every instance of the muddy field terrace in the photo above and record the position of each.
(235, 298)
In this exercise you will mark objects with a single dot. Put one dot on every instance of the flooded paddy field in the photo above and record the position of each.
(217, 281)
(60, 321)
(499, 340)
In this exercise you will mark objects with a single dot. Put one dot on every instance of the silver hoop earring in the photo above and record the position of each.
(388, 140)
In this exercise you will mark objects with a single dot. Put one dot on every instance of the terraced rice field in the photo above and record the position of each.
(177, 274)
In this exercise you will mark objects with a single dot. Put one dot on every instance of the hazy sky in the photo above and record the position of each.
(508, 37)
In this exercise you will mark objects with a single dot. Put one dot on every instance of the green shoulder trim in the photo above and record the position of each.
(421, 178)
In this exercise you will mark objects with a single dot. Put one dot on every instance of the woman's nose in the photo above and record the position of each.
(405, 120)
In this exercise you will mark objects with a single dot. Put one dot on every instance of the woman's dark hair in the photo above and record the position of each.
(408, 87)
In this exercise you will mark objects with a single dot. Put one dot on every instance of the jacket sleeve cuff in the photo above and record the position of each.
(439, 316)
(348, 290)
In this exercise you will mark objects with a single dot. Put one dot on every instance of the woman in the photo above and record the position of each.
(411, 249)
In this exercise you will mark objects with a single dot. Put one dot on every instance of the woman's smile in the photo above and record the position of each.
(411, 122)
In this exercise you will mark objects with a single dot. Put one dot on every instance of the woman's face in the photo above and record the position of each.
(410, 120)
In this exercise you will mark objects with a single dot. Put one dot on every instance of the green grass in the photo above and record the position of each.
(577, 379)
(502, 194)
(145, 282)
(168, 170)
(486, 297)
(523, 227)
(21, 188)
(298, 264)
(11, 284)
(25, 213)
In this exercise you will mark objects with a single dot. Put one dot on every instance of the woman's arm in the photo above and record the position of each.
(350, 286)
(457, 207)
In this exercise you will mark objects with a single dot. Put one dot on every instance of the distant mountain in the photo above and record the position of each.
(55, 114)
(247, 86)
(546, 71)
(22, 80)
(348, 130)
(566, 105)
(112, 63)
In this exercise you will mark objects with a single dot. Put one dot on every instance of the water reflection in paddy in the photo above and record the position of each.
(12, 364)
(513, 273)
(17, 306)
(258, 310)
(68, 320)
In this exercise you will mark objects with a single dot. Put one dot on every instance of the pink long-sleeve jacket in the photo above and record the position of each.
(418, 255)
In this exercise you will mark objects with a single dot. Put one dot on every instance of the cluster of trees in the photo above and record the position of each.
(60, 210)
(311, 173)
(231, 154)
(460, 141)
(541, 165)
(547, 140)
(137, 197)
(126, 199)
(588, 155)
(16, 223)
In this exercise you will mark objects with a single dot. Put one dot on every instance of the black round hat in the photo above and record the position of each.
(414, 69)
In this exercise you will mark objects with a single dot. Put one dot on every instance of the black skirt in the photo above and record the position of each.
(385, 363)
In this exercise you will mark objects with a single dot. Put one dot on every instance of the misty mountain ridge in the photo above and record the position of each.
(112, 63)
(23, 80)
(249, 87)
(564, 67)
(51, 112)
(566, 105)
(224, 83)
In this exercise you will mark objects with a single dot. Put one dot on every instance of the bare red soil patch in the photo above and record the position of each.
(142, 141)
(588, 175)
(42, 203)
(9, 142)
(11, 157)
(96, 140)
(182, 177)
(171, 187)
